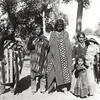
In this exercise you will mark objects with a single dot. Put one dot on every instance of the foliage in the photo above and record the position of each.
(7, 7)
(31, 14)
(24, 13)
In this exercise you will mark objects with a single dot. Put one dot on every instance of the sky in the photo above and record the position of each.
(91, 16)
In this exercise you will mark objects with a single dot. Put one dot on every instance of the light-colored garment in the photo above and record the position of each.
(7, 69)
(73, 82)
(92, 50)
(91, 80)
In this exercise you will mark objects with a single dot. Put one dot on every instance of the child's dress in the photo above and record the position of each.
(81, 88)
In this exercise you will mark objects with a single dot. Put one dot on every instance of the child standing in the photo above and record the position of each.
(38, 46)
(81, 88)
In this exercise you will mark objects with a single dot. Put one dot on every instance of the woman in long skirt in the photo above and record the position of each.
(59, 57)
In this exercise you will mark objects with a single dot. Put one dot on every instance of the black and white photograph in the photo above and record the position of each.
(49, 50)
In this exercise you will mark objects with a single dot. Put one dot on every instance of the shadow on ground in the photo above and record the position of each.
(23, 84)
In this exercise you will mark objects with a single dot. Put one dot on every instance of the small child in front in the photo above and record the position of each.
(81, 88)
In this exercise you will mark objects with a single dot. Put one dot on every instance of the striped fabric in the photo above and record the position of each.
(8, 71)
(9, 66)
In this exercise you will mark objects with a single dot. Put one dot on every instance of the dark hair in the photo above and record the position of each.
(79, 34)
(38, 25)
(59, 22)
(80, 57)
(49, 27)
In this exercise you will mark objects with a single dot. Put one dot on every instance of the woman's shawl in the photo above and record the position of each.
(54, 68)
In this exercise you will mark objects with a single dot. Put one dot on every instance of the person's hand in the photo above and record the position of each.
(76, 73)
(73, 61)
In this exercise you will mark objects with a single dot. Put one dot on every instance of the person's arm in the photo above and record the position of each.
(30, 45)
(76, 73)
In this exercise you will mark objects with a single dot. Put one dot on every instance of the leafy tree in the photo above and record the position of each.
(37, 11)
(24, 13)
(7, 6)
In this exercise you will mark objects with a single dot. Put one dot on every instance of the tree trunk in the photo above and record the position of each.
(44, 32)
(79, 16)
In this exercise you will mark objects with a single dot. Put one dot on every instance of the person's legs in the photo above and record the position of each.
(52, 87)
(62, 88)
(33, 74)
(33, 82)
(73, 83)
(2, 87)
(43, 84)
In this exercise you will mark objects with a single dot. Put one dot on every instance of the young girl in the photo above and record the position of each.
(81, 88)
(38, 46)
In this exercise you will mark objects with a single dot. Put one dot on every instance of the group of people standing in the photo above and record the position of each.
(51, 57)
(59, 65)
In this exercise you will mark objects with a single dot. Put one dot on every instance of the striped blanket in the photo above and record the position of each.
(11, 68)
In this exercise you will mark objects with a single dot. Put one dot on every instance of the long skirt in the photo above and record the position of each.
(73, 82)
(81, 88)
(91, 80)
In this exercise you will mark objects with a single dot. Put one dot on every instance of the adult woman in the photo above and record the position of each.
(80, 46)
(59, 57)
